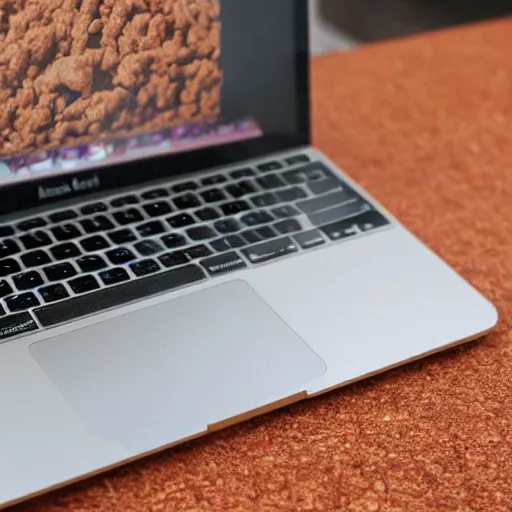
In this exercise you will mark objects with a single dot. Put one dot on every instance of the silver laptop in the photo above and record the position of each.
(175, 257)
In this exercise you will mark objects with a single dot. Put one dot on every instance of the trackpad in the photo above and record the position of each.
(155, 376)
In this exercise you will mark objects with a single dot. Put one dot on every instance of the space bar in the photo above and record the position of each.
(118, 295)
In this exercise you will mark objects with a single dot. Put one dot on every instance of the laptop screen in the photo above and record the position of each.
(95, 84)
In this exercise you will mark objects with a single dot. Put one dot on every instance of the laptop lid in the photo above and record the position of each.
(112, 97)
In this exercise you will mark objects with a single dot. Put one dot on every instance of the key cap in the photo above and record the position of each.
(228, 243)
(213, 196)
(124, 201)
(151, 229)
(148, 247)
(288, 226)
(263, 200)
(122, 236)
(114, 276)
(213, 180)
(198, 251)
(174, 259)
(145, 267)
(250, 236)
(119, 295)
(8, 248)
(289, 195)
(297, 159)
(207, 214)
(235, 207)
(270, 166)
(266, 232)
(199, 233)
(227, 226)
(29, 224)
(129, 216)
(241, 189)
(91, 263)
(323, 186)
(186, 202)
(313, 171)
(22, 302)
(28, 280)
(97, 224)
(90, 209)
(324, 202)
(35, 259)
(183, 187)
(338, 213)
(272, 250)
(223, 264)
(60, 272)
(14, 325)
(65, 251)
(6, 231)
(156, 193)
(309, 239)
(9, 266)
(53, 293)
(180, 221)
(120, 255)
(34, 240)
(370, 220)
(286, 211)
(257, 218)
(84, 284)
(157, 209)
(270, 181)
(242, 173)
(66, 232)
(62, 216)
(174, 240)
(95, 243)
(5, 289)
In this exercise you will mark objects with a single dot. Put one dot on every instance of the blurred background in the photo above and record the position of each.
(343, 24)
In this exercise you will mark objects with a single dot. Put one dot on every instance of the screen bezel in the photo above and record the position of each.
(25, 196)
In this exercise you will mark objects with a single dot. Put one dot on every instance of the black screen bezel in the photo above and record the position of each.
(24, 196)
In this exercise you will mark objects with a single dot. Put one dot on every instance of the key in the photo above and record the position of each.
(90, 209)
(213, 180)
(183, 187)
(213, 195)
(289, 195)
(324, 202)
(60, 272)
(174, 259)
(174, 240)
(28, 280)
(151, 229)
(65, 232)
(155, 194)
(5, 289)
(186, 202)
(242, 173)
(226, 226)
(207, 214)
(22, 302)
(8, 248)
(84, 284)
(309, 239)
(114, 276)
(338, 213)
(235, 207)
(120, 256)
(270, 181)
(270, 166)
(223, 264)
(53, 293)
(180, 221)
(124, 201)
(148, 247)
(122, 236)
(91, 263)
(34, 240)
(145, 267)
(65, 251)
(28, 225)
(97, 224)
(288, 226)
(243, 188)
(94, 243)
(35, 259)
(9, 266)
(272, 250)
(199, 233)
(157, 209)
(62, 216)
(129, 216)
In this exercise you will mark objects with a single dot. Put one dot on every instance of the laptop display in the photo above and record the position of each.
(122, 81)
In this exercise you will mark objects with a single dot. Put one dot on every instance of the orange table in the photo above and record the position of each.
(426, 125)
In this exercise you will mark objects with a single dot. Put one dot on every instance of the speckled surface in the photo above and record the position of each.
(426, 125)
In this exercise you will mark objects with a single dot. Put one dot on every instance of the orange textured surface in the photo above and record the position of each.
(426, 125)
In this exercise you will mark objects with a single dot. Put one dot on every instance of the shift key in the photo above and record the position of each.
(272, 250)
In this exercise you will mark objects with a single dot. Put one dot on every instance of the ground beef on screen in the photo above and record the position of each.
(76, 71)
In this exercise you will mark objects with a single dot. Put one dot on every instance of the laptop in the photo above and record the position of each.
(175, 255)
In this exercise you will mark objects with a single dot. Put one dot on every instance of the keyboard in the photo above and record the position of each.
(75, 262)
